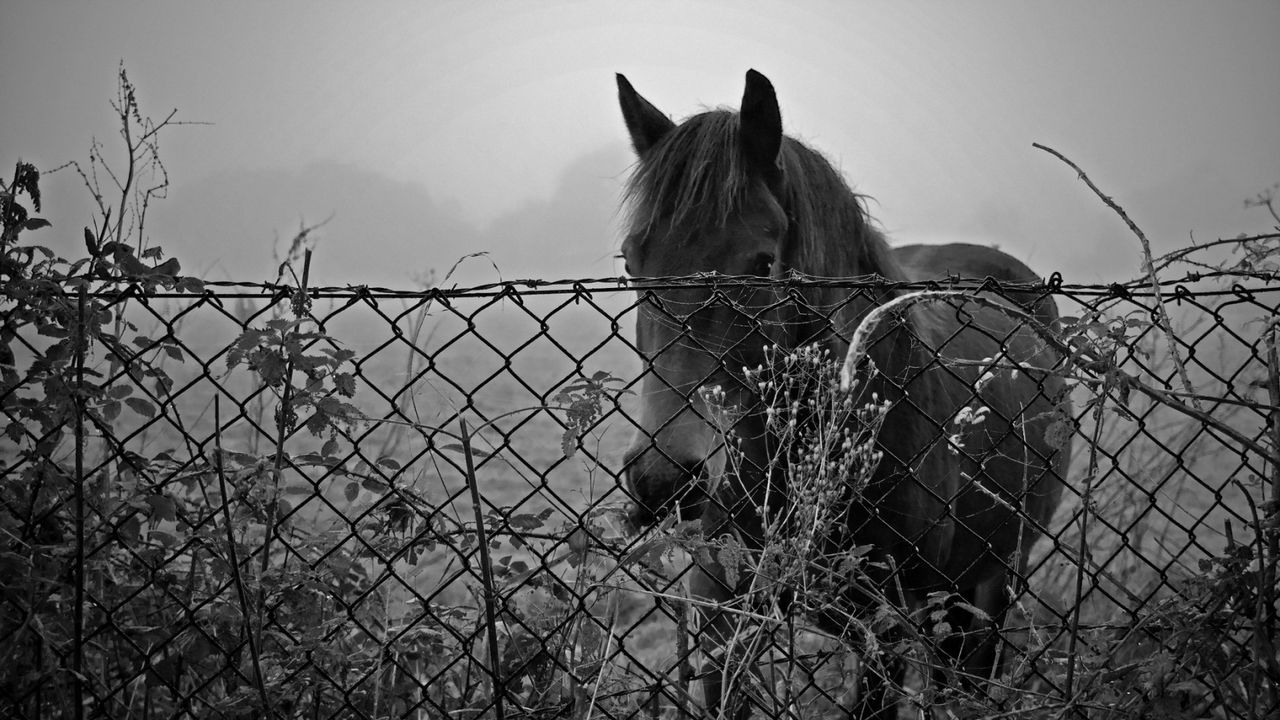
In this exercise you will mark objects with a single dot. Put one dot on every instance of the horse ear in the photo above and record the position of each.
(646, 123)
(761, 124)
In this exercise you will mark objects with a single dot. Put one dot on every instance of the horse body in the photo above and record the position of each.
(947, 509)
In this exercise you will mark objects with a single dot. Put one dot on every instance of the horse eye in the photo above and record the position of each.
(763, 264)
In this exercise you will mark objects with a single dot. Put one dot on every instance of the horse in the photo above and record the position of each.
(727, 193)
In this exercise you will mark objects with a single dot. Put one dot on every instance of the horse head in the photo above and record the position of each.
(704, 200)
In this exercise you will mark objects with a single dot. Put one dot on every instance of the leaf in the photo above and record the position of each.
(141, 406)
(131, 528)
(162, 507)
(270, 367)
(164, 538)
(191, 285)
(388, 462)
(525, 521)
(118, 392)
(91, 243)
(345, 384)
(318, 423)
(173, 351)
(351, 491)
(131, 265)
(282, 325)
(250, 339)
(330, 447)
(35, 224)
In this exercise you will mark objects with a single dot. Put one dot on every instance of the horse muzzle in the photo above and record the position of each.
(660, 486)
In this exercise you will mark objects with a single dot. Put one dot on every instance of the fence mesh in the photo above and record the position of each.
(252, 502)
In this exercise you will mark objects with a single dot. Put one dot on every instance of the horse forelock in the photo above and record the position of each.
(696, 177)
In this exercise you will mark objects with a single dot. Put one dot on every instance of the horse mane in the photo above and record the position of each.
(696, 177)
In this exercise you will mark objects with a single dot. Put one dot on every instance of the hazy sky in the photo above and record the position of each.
(494, 117)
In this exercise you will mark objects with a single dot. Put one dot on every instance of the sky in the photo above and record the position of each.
(426, 130)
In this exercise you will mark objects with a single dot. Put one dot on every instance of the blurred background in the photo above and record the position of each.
(425, 131)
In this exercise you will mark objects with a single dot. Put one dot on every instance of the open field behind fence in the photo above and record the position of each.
(250, 501)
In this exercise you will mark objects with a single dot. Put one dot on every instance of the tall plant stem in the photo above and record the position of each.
(250, 635)
(1148, 269)
(486, 575)
(77, 659)
(282, 429)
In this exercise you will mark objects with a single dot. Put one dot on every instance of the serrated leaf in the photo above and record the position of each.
(250, 339)
(345, 383)
(270, 367)
(173, 351)
(318, 424)
(282, 324)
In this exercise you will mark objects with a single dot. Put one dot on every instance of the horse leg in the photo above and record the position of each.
(716, 633)
(973, 645)
(993, 598)
(881, 684)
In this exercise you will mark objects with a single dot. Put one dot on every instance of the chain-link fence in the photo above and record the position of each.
(260, 502)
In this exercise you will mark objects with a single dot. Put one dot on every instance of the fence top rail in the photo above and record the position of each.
(1190, 286)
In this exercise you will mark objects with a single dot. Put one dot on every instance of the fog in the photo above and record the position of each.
(417, 133)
